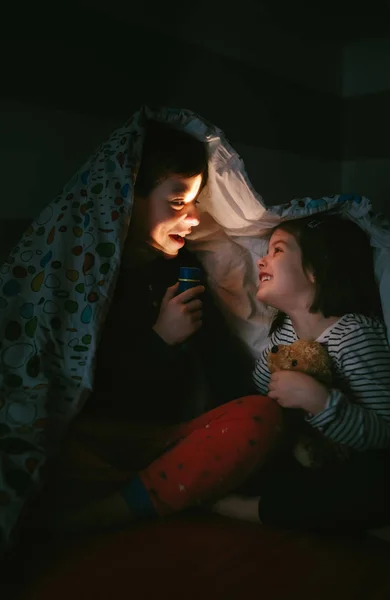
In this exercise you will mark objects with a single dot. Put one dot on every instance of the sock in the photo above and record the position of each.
(137, 498)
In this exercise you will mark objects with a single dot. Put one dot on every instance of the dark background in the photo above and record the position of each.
(302, 90)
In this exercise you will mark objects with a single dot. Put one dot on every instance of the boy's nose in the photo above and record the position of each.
(193, 216)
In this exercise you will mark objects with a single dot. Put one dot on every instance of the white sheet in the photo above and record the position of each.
(234, 230)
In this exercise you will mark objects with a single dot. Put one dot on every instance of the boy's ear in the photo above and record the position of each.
(310, 276)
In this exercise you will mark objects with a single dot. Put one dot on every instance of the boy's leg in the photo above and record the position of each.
(217, 451)
(123, 444)
(99, 455)
(201, 460)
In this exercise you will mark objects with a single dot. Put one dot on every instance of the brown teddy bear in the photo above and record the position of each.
(312, 449)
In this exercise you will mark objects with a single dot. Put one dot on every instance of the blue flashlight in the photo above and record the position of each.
(188, 277)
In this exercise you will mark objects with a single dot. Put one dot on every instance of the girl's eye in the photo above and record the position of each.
(276, 250)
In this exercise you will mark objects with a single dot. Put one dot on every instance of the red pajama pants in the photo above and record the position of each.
(213, 454)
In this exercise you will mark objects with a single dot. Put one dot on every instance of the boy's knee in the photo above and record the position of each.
(259, 408)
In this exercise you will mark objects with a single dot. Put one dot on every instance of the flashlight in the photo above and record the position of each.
(188, 277)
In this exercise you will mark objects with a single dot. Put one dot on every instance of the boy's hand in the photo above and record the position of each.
(180, 315)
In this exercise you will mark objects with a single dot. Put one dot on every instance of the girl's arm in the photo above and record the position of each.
(361, 418)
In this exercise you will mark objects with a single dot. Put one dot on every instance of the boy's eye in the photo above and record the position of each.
(177, 203)
(276, 250)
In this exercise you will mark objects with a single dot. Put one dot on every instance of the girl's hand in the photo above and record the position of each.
(292, 389)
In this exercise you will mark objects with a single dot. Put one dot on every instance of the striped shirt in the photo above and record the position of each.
(357, 411)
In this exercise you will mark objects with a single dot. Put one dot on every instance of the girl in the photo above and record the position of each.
(319, 275)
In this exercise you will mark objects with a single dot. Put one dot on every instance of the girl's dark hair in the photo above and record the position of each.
(338, 253)
(166, 152)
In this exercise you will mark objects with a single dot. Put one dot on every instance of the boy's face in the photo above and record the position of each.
(165, 217)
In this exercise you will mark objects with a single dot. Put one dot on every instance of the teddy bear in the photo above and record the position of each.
(312, 449)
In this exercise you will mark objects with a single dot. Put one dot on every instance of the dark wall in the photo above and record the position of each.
(68, 80)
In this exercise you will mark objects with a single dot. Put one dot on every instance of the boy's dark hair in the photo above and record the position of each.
(167, 151)
(338, 253)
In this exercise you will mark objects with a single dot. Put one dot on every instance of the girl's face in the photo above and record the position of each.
(283, 282)
(165, 217)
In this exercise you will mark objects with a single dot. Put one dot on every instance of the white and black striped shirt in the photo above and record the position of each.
(357, 412)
